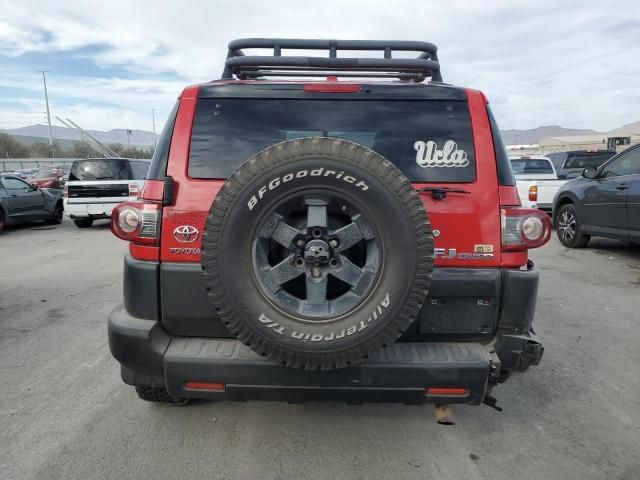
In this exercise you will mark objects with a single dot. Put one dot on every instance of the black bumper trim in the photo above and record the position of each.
(408, 367)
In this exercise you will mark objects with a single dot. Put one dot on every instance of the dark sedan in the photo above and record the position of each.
(23, 202)
(604, 202)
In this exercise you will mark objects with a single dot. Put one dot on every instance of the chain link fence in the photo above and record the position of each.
(15, 164)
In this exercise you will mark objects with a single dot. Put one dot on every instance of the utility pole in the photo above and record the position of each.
(153, 119)
(46, 100)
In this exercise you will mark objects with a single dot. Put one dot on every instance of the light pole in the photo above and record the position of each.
(129, 133)
(153, 120)
(46, 100)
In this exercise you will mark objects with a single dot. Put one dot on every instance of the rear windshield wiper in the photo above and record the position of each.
(440, 193)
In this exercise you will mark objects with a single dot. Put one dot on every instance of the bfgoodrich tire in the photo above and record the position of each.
(317, 252)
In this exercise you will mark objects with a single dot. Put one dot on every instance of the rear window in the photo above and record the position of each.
(587, 159)
(429, 141)
(524, 166)
(105, 169)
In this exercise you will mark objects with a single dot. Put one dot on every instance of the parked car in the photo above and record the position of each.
(537, 181)
(604, 202)
(570, 164)
(49, 177)
(323, 238)
(97, 185)
(23, 202)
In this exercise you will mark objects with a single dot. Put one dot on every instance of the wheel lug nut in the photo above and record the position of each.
(333, 243)
(300, 243)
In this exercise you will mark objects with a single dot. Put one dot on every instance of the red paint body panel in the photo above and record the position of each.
(465, 222)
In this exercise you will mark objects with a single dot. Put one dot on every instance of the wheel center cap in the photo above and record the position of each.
(317, 252)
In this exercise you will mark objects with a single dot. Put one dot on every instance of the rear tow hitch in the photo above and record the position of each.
(491, 402)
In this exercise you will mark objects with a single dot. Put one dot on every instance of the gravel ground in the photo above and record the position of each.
(64, 412)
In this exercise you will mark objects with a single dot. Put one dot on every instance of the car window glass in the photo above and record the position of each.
(415, 135)
(14, 184)
(139, 169)
(100, 169)
(626, 164)
(523, 166)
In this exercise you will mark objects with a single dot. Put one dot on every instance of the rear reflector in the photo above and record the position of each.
(332, 88)
(204, 386)
(446, 392)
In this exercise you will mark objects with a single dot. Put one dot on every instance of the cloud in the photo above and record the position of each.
(539, 62)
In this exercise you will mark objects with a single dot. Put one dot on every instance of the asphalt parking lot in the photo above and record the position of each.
(64, 412)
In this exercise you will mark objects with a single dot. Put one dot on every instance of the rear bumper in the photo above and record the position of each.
(91, 208)
(400, 372)
(151, 356)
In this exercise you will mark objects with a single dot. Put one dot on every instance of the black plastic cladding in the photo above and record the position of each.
(255, 66)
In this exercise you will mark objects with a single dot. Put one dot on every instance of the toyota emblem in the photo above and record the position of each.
(186, 233)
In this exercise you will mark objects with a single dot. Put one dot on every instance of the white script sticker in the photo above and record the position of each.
(428, 154)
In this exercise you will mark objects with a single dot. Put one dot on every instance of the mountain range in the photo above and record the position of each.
(138, 138)
(534, 135)
(142, 138)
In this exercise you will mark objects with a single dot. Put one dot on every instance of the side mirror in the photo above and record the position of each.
(590, 172)
(34, 187)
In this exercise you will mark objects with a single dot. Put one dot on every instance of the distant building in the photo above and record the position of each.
(588, 142)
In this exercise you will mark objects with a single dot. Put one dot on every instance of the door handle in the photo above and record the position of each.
(623, 186)
(14, 195)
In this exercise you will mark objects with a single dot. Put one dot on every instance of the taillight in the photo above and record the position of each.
(65, 191)
(524, 228)
(134, 190)
(137, 222)
(533, 193)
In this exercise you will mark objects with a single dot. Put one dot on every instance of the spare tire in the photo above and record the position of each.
(317, 252)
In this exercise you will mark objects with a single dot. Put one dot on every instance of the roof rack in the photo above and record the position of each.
(255, 66)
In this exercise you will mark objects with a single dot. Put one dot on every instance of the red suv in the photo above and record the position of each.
(332, 237)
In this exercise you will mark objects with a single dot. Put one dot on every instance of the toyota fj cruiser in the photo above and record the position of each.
(327, 237)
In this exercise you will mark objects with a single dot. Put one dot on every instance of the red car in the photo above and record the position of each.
(324, 238)
(49, 177)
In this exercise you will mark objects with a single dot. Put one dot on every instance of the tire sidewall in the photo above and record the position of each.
(574, 211)
(383, 209)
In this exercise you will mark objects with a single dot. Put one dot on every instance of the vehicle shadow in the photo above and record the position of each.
(605, 246)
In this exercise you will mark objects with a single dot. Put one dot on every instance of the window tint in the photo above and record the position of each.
(419, 137)
(100, 169)
(139, 169)
(587, 159)
(524, 166)
(505, 172)
(15, 184)
(158, 167)
(628, 163)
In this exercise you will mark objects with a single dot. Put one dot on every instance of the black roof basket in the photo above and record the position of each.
(254, 66)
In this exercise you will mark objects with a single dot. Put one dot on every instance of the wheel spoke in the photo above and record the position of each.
(348, 236)
(348, 272)
(316, 290)
(316, 213)
(284, 233)
(283, 272)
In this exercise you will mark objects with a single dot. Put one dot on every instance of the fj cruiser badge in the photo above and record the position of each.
(186, 233)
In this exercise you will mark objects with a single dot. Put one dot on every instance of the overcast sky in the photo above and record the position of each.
(576, 64)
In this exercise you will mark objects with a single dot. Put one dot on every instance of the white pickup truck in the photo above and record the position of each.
(536, 181)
